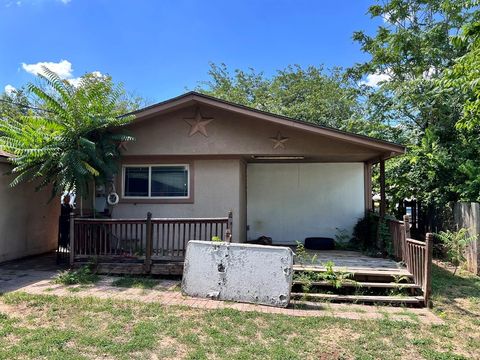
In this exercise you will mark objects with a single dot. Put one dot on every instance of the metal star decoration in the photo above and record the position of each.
(279, 141)
(198, 124)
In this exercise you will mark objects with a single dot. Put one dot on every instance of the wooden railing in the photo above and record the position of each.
(417, 255)
(397, 233)
(144, 240)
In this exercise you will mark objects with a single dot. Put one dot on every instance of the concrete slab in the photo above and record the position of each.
(238, 272)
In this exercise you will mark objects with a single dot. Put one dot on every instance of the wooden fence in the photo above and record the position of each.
(417, 255)
(141, 241)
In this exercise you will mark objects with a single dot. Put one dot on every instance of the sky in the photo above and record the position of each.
(161, 48)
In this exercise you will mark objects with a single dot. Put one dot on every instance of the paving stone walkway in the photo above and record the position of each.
(167, 293)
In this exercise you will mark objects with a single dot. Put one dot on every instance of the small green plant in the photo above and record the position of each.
(302, 255)
(216, 239)
(335, 278)
(133, 282)
(83, 275)
(455, 243)
(342, 236)
(400, 282)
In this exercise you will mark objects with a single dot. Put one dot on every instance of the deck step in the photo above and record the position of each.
(361, 284)
(413, 300)
(356, 271)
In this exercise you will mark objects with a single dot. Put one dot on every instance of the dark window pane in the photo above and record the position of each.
(136, 181)
(169, 181)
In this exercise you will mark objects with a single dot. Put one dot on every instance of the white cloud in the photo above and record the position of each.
(10, 3)
(62, 68)
(76, 81)
(375, 79)
(9, 89)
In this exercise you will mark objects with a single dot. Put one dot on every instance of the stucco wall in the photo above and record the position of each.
(28, 223)
(290, 202)
(231, 134)
(217, 190)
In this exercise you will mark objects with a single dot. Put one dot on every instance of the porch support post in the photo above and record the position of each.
(368, 186)
(71, 238)
(383, 204)
(148, 243)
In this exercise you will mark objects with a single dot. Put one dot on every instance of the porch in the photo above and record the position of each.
(153, 246)
(157, 246)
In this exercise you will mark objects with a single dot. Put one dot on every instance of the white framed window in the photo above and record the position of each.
(156, 181)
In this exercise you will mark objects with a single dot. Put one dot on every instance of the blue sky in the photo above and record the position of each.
(160, 48)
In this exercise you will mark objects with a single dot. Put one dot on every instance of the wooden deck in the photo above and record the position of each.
(351, 261)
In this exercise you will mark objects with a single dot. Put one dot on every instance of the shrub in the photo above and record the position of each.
(83, 275)
(455, 244)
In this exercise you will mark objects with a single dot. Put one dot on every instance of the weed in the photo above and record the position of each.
(83, 275)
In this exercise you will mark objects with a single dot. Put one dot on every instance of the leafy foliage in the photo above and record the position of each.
(428, 94)
(372, 235)
(75, 137)
(455, 243)
(310, 94)
(83, 275)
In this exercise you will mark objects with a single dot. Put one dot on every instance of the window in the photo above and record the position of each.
(156, 181)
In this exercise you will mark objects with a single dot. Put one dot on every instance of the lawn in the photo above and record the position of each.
(43, 326)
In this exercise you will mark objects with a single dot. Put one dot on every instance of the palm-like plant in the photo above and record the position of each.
(73, 140)
(455, 243)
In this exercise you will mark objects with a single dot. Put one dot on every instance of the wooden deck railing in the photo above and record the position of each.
(145, 240)
(417, 255)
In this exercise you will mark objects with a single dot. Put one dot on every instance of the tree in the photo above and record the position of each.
(411, 52)
(464, 76)
(73, 138)
(309, 94)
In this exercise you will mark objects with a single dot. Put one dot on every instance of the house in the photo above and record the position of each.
(197, 156)
(28, 220)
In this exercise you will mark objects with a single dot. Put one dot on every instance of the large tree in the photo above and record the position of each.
(71, 136)
(411, 51)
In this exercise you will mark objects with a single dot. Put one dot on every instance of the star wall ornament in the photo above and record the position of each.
(279, 141)
(198, 124)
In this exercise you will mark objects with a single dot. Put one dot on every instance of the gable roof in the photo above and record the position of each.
(389, 149)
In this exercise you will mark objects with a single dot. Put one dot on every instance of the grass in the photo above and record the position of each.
(133, 282)
(45, 326)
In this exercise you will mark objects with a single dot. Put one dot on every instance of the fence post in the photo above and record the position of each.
(228, 232)
(428, 269)
(71, 238)
(148, 243)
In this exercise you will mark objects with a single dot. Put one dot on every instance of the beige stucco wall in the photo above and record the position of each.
(217, 190)
(28, 223)
(289, 202)
(232, 134)
(220, 160)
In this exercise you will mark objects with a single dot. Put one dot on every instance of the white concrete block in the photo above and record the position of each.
(238, 272)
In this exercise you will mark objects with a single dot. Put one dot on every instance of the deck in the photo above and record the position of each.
(353, 262)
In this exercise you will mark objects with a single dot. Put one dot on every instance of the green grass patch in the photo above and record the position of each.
(73, 327)
(135, 282)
